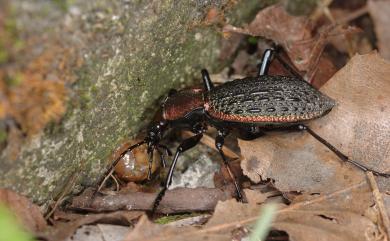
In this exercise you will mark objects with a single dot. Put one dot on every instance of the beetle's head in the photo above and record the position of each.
(179, 103)
(155, 133)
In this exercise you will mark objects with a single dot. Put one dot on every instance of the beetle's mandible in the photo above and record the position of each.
(246, 107)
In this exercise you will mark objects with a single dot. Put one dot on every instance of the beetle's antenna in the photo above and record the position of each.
(265, 62)
(113, 164)
(208, 84)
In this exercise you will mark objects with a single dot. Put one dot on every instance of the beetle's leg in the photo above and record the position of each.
(113, 164)
(162, 158)
(342, 156)
(150, 162)
(166, 149)
(184, 146)
(208, 84)
(162, 155)
(219, 141)
(288, 67)
(249, 133)
(265, 62)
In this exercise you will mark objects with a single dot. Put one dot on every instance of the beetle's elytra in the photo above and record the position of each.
(263, 99)
(248, 107)
(269, 99)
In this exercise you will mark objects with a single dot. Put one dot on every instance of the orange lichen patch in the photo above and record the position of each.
(35, 106)
(214, 16)
(34, 94)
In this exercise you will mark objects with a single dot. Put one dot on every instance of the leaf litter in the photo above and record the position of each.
(27, 213)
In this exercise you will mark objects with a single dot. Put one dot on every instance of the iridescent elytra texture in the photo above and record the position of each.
(269, 99)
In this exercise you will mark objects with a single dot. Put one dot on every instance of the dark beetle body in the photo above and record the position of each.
(258, 101)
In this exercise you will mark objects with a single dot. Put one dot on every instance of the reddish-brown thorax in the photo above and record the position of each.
(183, 102)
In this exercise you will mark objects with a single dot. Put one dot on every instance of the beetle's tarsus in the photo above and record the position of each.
(342, 156)
(219, 141)
(158, 199)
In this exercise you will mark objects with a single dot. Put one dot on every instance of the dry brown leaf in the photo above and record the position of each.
(99, 232)
(289, 31)
(63, 230)
(25, 211)
(302, 42)
(308, 220)
(358, 126)
(379, 11)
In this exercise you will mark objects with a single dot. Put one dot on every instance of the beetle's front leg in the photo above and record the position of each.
(184, 146)
(219, 141)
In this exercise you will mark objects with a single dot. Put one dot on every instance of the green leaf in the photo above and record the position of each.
(10, 229)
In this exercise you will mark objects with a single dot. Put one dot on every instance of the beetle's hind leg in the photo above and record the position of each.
(219, 141)
(208, 84)
(268, 57)
(342, 156)
(162, 154)
(265, 62)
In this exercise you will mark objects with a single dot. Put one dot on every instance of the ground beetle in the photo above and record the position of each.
(247, 107)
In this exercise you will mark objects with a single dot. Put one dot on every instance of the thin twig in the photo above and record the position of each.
(61, 198)
(354, 15)
(105, 179)
(379, 203)
(177, 200)
(115, 180)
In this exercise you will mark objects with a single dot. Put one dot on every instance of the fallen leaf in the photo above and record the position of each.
(63, 230)
(296, 35)
(99, 232)
(27, 213)
(254, 196)
(358, 126)
(306, 220)
(289, 31)
(240, 62)
(379, 11)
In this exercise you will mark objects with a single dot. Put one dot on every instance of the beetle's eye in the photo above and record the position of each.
(172, 92)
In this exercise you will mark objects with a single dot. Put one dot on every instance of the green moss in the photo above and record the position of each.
(62, 4)
(3, 135)
(172, 218)
(14, 80)
(3, 54)
(301, 7)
